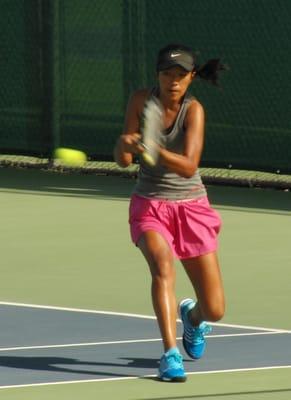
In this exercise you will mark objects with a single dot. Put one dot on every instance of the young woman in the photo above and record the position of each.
(170, 215)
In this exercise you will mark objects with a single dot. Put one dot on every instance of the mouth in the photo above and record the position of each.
(174, 91)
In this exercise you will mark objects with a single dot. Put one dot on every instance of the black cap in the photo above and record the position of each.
(172, 58)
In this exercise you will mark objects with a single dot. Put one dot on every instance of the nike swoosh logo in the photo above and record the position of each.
(175, 55)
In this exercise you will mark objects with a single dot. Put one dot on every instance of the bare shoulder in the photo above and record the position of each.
(140, 96)
(141, 93)
(195, 112)
(137, 100)
(195, 107)
(134, 110)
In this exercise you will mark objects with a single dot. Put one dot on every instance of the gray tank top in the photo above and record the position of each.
(160, 183)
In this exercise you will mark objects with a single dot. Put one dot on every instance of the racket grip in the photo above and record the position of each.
(143, 145)
(148, 159)
(146, 156)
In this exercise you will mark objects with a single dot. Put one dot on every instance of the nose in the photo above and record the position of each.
(174, 80)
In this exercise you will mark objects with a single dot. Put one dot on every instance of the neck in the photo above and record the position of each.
(169, 103)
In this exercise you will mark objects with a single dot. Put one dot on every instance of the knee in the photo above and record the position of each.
(161, 265)
(162, 271)
(214, 312)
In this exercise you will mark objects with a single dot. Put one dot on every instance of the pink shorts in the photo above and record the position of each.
(189, 226)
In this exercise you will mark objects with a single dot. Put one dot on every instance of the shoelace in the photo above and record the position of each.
(174, 360)
(196, 335)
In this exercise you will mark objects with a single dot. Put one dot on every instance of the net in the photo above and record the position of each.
(210, 176)
(70, 67)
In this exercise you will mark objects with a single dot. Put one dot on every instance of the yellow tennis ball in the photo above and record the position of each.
(70, 157)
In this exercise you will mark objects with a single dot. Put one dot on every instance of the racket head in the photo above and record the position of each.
(152, 130)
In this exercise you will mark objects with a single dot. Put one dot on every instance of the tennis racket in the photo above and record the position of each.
(152, 131)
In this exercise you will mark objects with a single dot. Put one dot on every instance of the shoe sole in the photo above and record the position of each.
(183, 302)
(184, 345)
(191, 355)
(177, 379)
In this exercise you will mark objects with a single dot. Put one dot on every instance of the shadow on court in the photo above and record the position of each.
(67, 185)
(72, 365)
(83, 186)
(217, 395)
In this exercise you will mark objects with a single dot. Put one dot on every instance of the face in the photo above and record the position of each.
(174, 82)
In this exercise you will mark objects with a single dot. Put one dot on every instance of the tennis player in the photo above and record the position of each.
(170, 215)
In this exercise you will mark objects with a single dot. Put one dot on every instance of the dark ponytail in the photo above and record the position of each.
(210, 71)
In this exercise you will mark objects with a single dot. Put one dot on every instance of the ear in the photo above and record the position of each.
(193, 74)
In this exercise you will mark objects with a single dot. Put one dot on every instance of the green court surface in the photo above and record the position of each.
(255, 385)
(65, 242)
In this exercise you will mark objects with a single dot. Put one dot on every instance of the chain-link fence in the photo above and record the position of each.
(68, 67)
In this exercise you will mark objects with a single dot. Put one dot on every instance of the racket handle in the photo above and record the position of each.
(146, 156)
(148, 159)
(143, 145)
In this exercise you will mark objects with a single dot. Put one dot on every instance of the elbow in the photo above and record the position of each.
(187, 175)
(123, 160)
(189, 171)
(123, 164)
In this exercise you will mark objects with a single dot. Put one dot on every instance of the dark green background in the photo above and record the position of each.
(68, 67)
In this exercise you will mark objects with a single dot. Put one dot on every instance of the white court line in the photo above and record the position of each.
(81, 310)
(55, 346)
(262, 331)
(123, 378)
(119, 342)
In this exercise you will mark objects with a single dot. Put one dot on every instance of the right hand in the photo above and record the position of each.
(130, 143)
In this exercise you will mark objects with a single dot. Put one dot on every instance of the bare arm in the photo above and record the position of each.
(127, 144)
(186, 164)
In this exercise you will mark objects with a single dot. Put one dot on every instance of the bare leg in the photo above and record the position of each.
(204, 274)
(160, 260)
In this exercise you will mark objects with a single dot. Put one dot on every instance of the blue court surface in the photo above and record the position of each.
(51, 345)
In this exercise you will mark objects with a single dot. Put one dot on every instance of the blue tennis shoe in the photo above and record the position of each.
(193, 337)
(171, 367)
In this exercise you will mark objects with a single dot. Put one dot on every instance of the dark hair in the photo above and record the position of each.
(208, 71)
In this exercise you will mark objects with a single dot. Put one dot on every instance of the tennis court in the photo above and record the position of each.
(76, 314)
